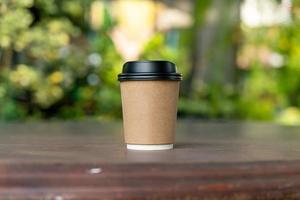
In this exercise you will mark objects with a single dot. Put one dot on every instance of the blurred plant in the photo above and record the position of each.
(289, 116)
(210, 102)
(158, 48)
(49, 68)
(271, 74)
(58, 60)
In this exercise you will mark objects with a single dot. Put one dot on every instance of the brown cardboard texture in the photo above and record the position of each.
(149, 111)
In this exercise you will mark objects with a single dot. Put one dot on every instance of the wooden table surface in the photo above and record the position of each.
(88, 160)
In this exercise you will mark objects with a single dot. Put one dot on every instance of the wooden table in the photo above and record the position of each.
(87, 160)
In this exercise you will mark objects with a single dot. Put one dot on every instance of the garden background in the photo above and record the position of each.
(240, 60)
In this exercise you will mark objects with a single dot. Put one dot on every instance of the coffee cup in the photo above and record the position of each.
(149, 93)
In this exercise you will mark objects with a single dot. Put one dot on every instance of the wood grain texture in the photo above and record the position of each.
(87, 160)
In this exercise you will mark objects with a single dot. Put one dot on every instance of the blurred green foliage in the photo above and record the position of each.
(58, 71)
(54, 65)
(272, 90)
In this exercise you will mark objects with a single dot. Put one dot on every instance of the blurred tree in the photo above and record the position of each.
(214, 45)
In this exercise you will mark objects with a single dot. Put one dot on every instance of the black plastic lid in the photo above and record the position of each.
(149, 70)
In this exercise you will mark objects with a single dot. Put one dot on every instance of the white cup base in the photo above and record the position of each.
(149, 147)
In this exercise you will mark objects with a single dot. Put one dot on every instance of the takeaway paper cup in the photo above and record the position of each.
(149, 92)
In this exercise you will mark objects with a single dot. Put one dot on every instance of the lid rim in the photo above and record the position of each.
(177, 77)
(149, 70)
(148, 74)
